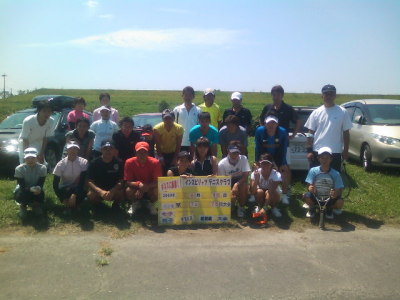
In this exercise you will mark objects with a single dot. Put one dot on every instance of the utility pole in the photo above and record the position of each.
(4, 86)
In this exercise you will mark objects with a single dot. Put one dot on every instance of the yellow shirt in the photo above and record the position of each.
(214, 111)
(168, 138)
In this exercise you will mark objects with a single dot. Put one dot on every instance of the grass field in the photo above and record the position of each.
(373, 198)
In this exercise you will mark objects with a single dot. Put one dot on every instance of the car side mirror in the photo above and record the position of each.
(359, 119)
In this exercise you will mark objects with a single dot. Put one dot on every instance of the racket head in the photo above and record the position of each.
(323, 183)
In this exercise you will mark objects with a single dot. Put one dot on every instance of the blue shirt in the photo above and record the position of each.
(212, 135)
(337, 179)
(275, 145)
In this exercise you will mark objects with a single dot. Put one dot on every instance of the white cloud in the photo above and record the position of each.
(160, 39)
(91, 3)
(107, 16)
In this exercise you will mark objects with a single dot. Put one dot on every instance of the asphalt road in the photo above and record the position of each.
(203, 264)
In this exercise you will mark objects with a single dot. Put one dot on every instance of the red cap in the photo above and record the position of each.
(141, 145)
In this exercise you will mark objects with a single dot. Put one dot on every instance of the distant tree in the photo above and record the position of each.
(21, 92)
(163, 105)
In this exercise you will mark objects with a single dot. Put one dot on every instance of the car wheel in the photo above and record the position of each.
(51, 158)
(366, 156)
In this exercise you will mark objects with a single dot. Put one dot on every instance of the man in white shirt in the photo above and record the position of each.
(329, 127)
(104, 130)
(187, 115)
(105, 100)
(236, 166)
(36, 129)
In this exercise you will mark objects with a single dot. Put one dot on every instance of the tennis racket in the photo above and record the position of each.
(323, 184)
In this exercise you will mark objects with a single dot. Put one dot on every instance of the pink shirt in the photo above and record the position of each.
(113, 117)
(74, 115)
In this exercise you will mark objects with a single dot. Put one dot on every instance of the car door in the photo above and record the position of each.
(357, 132)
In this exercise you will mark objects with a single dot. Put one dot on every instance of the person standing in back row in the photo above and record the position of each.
(105, 100)
(328, 126)
(187, 115)
(211, 107)
(239, 111)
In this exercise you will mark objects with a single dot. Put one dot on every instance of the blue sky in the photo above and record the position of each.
(228, 45)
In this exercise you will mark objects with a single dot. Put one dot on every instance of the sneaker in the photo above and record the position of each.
(22, 211)
(310, 213)
(285, 199)
(329, 214)
(252, 198)
(276, 212)
(152, 208)
(306, 206)
(337, 211)
(133, 208)
(241, 212)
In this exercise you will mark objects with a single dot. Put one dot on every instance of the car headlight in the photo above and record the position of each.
(11, 145)
(385, 139)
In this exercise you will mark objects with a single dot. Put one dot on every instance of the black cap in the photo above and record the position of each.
(107, 143)
(328, 88)
(167, 113)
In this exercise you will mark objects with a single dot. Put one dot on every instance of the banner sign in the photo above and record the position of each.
(194, 200)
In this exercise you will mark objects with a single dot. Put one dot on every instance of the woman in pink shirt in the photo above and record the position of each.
(74, 115)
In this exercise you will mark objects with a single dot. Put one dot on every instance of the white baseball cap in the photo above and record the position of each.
(237, 96)
(30, 152)
(271, 118)
(72, 145)
(209, 91)
(324, 150)
(104, 108)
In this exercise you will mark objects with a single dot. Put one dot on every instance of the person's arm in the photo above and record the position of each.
(96, 189)
(157, 139)
(346, 141)
(254, 183)
(169, 173)
(21, 182)
(43, 150)
(56, 182)
(310, 142)
(214, 165)
(41, 181)
(224, 149)
(245, 175)
(89, 149)
(214, 149)
(296, 128)
(257, 145)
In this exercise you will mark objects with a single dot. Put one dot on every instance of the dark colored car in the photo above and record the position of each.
(11, 127)
(146, 118)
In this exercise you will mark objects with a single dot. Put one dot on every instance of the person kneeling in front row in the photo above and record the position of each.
(325, 158)
(30, 177)
(105, 177)
(141, 174)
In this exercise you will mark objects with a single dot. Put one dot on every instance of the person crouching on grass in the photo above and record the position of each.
(69, 178)
(141, 174)
(325, 158)
(236, 166)
(105, 177)
(264, 184)
(183, 167)
(30, 177)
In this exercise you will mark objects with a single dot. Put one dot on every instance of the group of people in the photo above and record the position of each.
(105, 159)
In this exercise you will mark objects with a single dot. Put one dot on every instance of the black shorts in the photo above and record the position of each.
(66, 192)
(26, 197)
(310, 195)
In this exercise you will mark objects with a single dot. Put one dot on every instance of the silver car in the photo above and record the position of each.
(375, 136)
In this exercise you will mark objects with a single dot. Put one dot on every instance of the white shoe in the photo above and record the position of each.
(306, 206)
(133, 208)
(310, 214)
(276, 213)
(240, 211)
(252, 198)
(152, 208)
(285, 199)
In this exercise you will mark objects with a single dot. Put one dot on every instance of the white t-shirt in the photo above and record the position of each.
(329, 124)
(264, 182)
(114, 116)
(34, 133)
(225, 168)
(104, 130)
(70, 171)
(187, 119)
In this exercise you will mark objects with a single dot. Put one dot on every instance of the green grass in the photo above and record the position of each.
(373, 199)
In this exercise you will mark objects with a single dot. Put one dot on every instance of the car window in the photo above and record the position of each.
(303, 116)
(141, 120)
(385, 113)
(357, 112)
(350, 111)
(15, 120)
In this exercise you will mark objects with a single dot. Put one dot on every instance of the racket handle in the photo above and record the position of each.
(321, 219)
